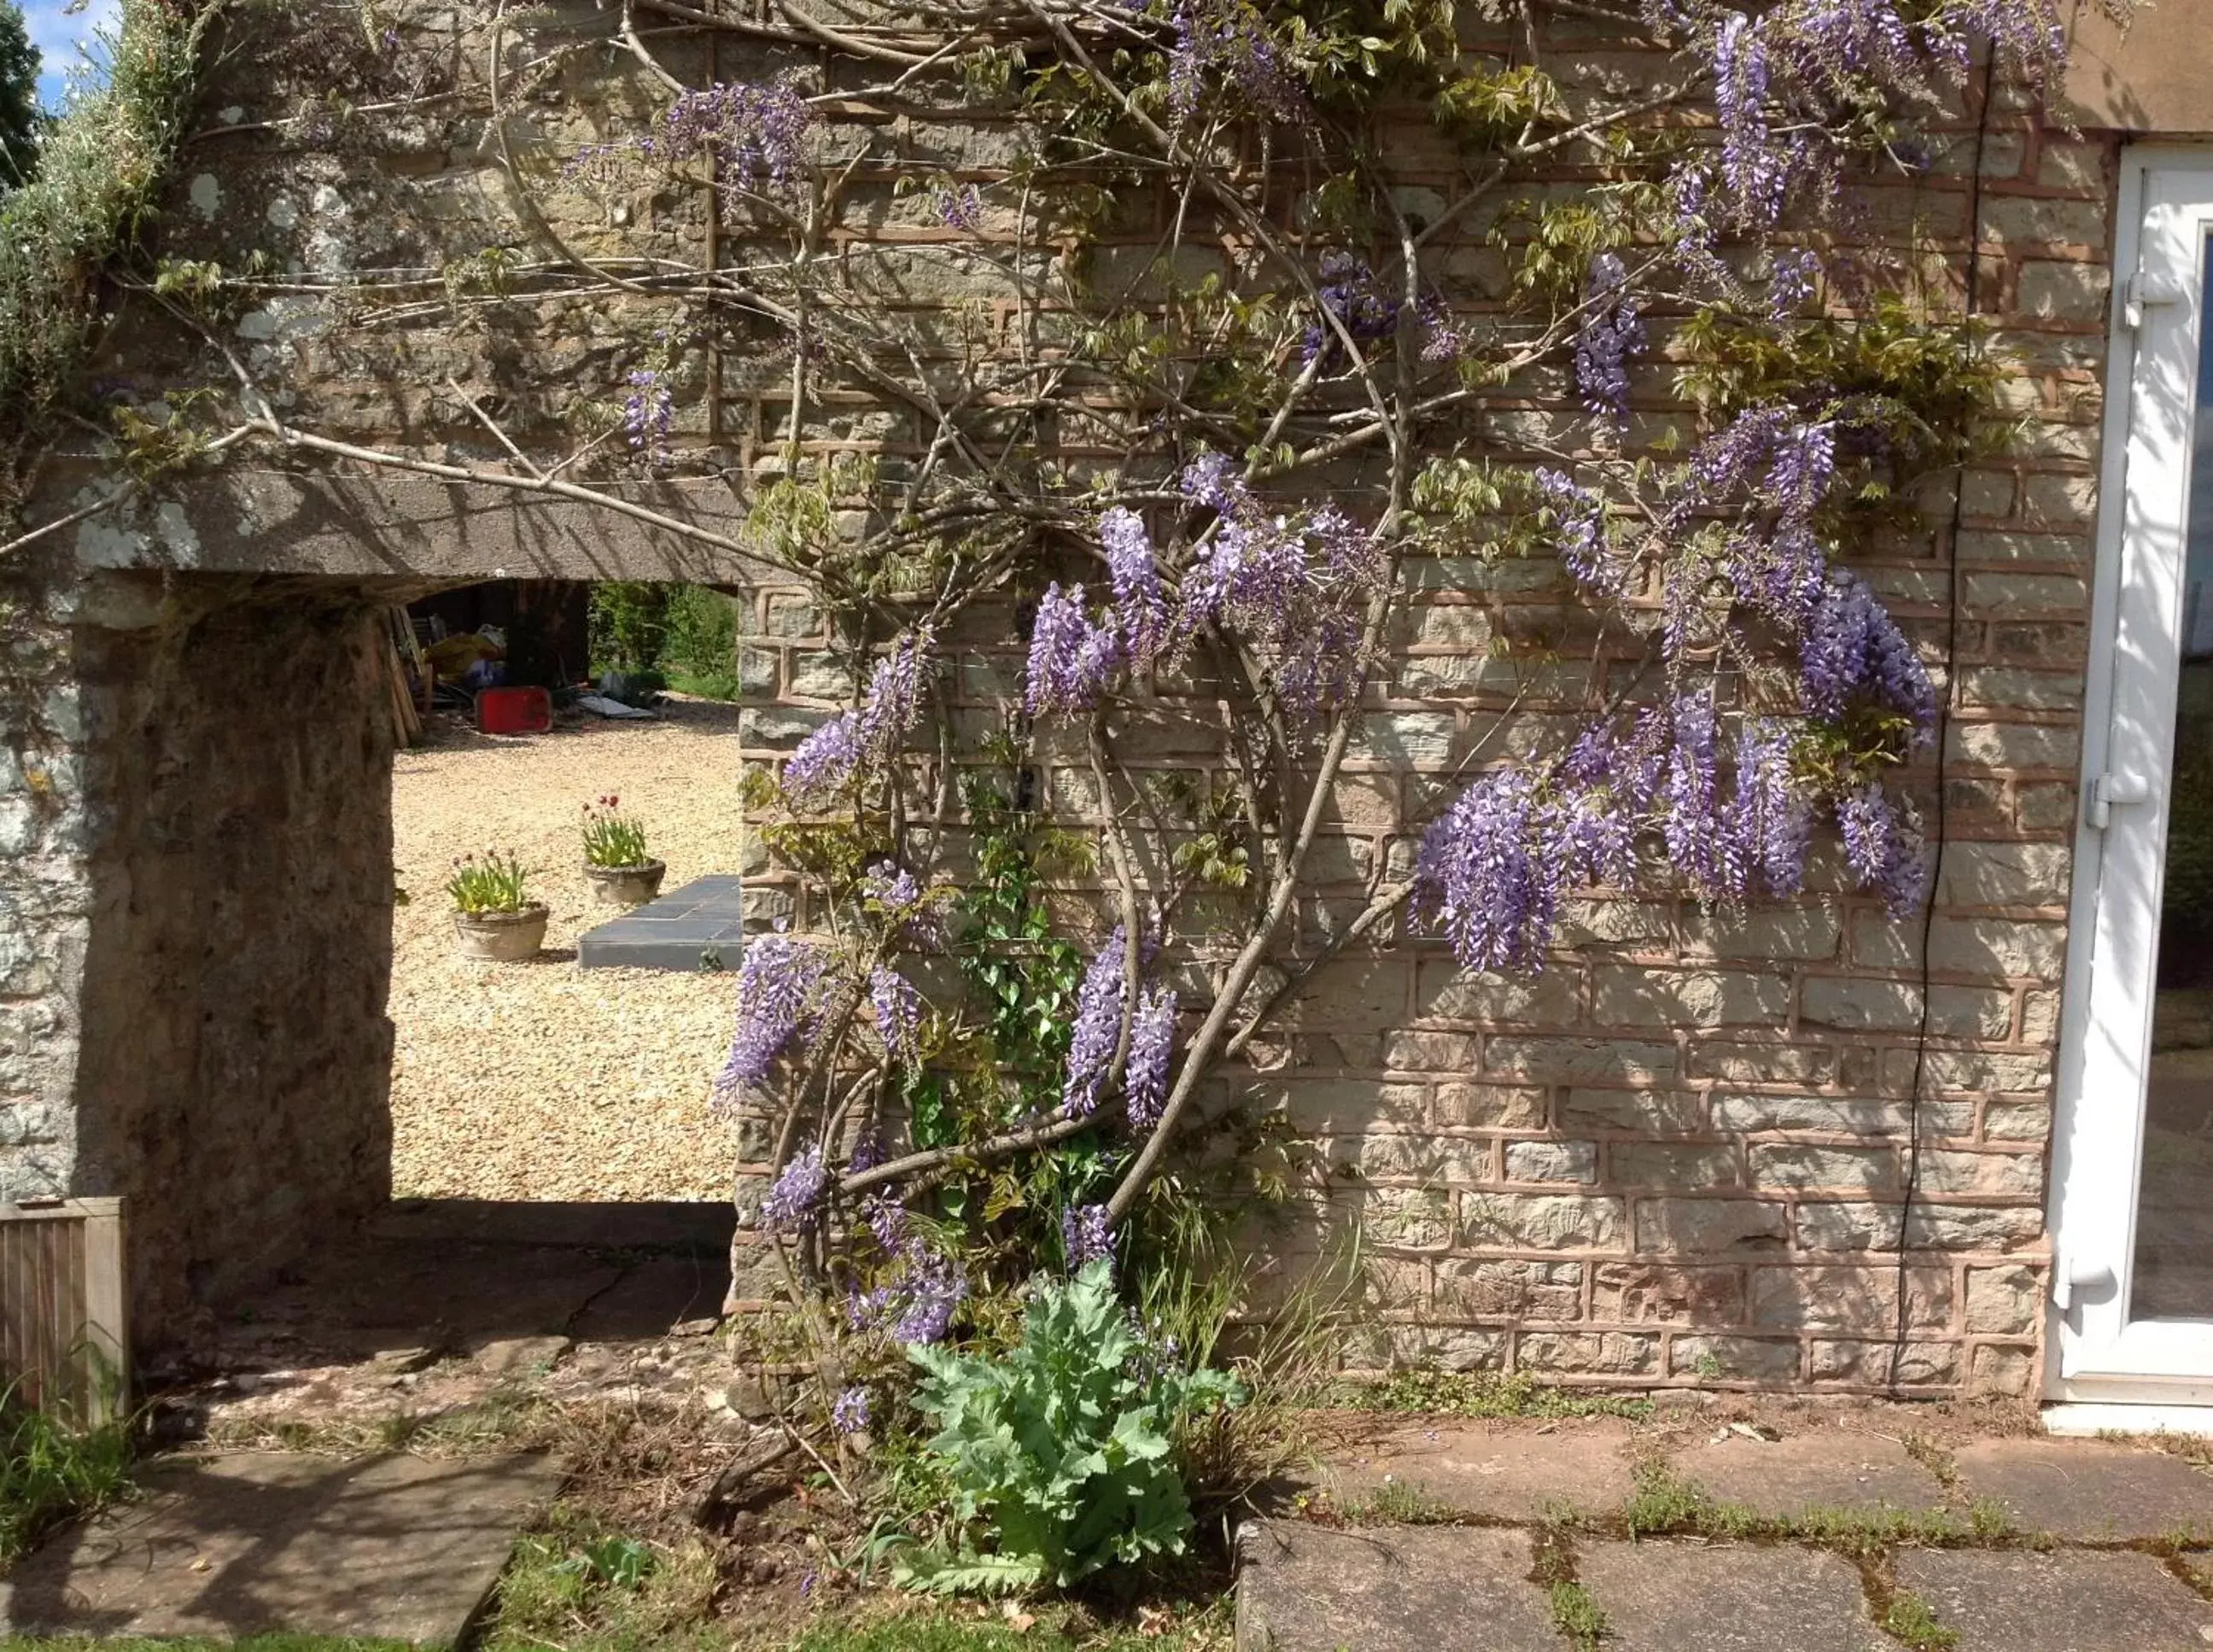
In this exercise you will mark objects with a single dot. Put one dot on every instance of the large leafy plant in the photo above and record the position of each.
(1064, 1446)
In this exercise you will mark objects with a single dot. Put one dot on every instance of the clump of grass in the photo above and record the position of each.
(99, 173)
(1485, 1394)
(50, 1471)
(578, 1583)
(1398, 1503)
(1662, 1505)
(1910, 1619)
(1575, 1616)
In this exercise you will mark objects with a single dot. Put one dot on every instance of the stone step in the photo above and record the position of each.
(389, 1548)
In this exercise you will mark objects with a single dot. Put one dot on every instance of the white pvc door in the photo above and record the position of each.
(2132, 1294)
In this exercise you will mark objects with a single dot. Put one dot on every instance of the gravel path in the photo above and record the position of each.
(541, 1081)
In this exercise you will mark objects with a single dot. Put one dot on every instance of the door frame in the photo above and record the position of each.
(2092, 1354)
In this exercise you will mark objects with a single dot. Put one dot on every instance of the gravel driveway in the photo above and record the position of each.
(542, 1081)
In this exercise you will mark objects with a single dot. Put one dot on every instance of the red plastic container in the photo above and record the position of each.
(514, 710)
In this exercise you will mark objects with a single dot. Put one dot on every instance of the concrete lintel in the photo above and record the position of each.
(399, 528)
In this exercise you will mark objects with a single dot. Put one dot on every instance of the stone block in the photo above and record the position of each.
(1686, 1597)
(1652, 1112)
(1794, 1166)
(1663, 1294)
(1444, 991)
(1705, 1227)
(1684, 1167)
(1499, 1288)
(1552, 1162)
(1301, 1587)
(1801, 1061)
(2091, 1490)
(1824, 1468)
(1601, 1353)
(1994, 948)
(1540, 1221)
(2063, 1600)
(1858, 1003)
(387, 1548)
(1672, 996)
(1579, 1060)
(1857, 1226)
(1493, 1106)
(1501, 1471)
(2003, 875)
(1769, 1361)
(1821, 1297)
(1880, 1362)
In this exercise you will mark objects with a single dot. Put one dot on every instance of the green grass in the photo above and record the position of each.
(1576, 1616)
(943, 1632)
(1910, 1620)
(707, 685)
(1663, 1505)
(50, 1472)
(250, 1643)
(1485, 1395)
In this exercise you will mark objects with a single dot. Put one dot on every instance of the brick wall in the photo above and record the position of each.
(1679, 1154)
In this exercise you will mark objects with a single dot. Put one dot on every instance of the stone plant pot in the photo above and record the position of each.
(501, 937)
(625, 886)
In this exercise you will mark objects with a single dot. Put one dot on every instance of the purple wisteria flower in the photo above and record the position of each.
(1884, 849)
(1579, 529)
(960, 206)
(1613, 333)
(898, 1010)
(1227, 42)
(778, 985)
(849, 1414)
(1355, 300)
(871, 732)
(794, 1196)
(1084, 1235)
(1098, 1030)
(1141, 606)
(756, 132)
(1853, 650)
(1152, 1043)
(649, 416)
(933, 1291)
(1071, 659)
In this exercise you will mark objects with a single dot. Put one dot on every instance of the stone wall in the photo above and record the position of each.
(197, 1018)
(1680, 1154)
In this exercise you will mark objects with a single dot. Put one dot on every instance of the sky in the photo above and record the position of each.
(56, 33)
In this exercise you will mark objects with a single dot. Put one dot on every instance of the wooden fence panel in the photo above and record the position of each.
(64, 1334)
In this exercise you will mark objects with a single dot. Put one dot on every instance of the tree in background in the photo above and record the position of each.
(21, 120)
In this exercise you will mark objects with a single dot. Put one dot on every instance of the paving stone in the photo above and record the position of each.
(2063, 1600)
(1388, 1588)
(389, 1548)
(701, 925)
(1681, 1597)
(1830, 1469)
(1494, 1471)
(2090, 1490)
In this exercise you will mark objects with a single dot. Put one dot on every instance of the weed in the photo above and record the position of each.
(577, 1584)
(1910, 1620)
(1663, 1503)
(50, 1471)
(1576, 1616)
(1937, 1459)
(1398, 1503)
(1485, 1394)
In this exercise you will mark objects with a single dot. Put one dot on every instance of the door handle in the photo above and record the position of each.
(2108, 791)
(2069, 1281)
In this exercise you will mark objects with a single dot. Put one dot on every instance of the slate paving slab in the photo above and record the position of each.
(1395, 1589)
(1494, 1471)
(2090, 1491)
(1834, 1468)
(699, 925)
(1726, 1597)
(390, 1548)
(2062, 1600)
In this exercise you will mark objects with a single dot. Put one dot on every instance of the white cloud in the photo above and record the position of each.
(57, 33)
